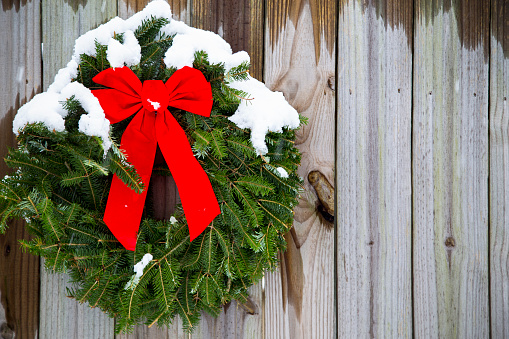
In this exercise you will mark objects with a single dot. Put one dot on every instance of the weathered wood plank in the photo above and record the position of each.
(144, 332)
(240, 23)
(62, 317)
(62, 22)
(499, 169)
(236, 320)
(373, 169)
(450, 169)
(300, 61)
(20, 80)
(180, 8)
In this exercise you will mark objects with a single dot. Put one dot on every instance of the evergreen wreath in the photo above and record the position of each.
(61, 179)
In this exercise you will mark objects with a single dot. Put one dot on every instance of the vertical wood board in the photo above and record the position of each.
(499, 169)
(300, 61)
(236, 321)
(62, 22)
(450, 170)
(20, 80)
(373, 169)
(240, 24)
(62, 317)
(180, 9)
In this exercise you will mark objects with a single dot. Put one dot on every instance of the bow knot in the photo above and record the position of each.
(154, 96)
(187, 89)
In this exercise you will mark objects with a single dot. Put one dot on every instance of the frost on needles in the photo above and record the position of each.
(67, 154)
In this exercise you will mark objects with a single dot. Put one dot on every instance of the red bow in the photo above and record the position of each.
(187, 89)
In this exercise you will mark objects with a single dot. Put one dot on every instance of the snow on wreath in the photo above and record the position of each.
(86, 147)
(266, 111)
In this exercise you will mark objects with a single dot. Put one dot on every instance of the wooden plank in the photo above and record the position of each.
(62, 317)
(499, 168)
(180, 8)
(62, 22)
(300, 61)
(20, 80)
(450, 169)
(171, 332)
(240, 23)
(373, 169)
(236, 320)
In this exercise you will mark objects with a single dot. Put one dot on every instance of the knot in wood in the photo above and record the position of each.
(331, 83)
(450, 242)
(6, 332)
(324, 192)
(7, 250)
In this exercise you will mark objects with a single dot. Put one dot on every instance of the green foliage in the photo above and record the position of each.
(61, 182)
(90, 66)
(154, 45)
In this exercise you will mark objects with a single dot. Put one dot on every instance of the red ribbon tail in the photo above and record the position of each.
(123, 213)
(195, 190)
(125, 207)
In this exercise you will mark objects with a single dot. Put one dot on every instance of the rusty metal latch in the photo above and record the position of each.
(325, 193)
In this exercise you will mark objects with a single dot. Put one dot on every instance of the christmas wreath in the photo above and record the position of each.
(85, 156)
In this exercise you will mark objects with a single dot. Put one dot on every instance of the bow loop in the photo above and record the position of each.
(186, 89)
(121, 79)
(190, 91)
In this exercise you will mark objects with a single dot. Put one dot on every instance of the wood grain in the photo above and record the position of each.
(450, 170)
(373, 170)
(171, 332)
(62, 317)
(62, 22)
(240, 23)
(236, 320)
(299, 61)
(499, 169)
(180, 8)
(20, 80)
